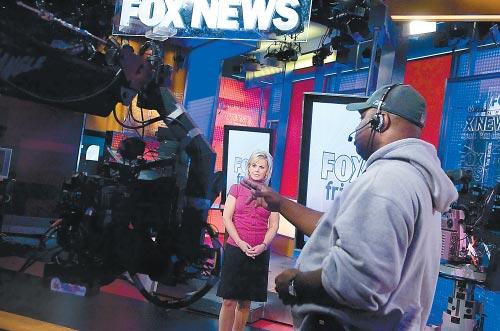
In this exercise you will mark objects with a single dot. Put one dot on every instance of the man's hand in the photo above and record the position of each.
(303, 218)
(282, 282)
(263, 195)
(307, 285)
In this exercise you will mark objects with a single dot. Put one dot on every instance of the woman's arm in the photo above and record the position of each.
(227, 217)
(274, 223)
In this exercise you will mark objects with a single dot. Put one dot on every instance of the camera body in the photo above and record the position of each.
(465, 227)
(132, 217)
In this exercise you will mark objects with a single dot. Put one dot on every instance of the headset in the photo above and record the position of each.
(377, 122)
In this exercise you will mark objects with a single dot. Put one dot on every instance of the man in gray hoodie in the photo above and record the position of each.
(372, 260)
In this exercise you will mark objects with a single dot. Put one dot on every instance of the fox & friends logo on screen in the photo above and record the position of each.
(338, 170)
(240, 167)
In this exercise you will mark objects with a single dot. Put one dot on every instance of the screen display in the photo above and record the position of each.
(333, 161)
(239, 144)
(328, 162)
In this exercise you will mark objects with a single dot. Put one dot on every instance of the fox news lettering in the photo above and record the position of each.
(480, 135)
(483, 121)
(285, 16)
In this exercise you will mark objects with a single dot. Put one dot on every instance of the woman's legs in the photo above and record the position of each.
(226, 315)
(241, 316)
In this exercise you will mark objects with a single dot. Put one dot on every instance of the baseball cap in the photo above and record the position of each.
(402, 100)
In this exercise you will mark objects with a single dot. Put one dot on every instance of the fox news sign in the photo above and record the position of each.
(212, 19)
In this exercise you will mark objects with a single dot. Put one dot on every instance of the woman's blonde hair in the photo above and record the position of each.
(263, 155)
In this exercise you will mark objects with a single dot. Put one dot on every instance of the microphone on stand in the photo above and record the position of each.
(349, 138)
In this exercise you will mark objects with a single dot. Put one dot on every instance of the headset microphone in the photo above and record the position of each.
(349, 138)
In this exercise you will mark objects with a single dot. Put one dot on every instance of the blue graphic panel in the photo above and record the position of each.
(353, 81)
(470, 132)
(486, 61)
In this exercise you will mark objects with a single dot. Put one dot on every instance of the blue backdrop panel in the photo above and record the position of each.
(470, 132)
(470, 135)
(353, 81)
(486, 60)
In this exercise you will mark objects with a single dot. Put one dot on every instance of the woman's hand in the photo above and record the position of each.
(256, 250)
(244, 246)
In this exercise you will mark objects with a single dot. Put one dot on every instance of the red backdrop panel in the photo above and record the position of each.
(429, 76)
(237, 106)
(291, 159)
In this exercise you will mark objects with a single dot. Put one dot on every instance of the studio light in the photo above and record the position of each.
(457, 30)
(487, 30)
(283, 51)
(320, 55)
(420, 27)
(251, 64)
(343, 40)
(453, 34)
(350, 17)
(358, 29)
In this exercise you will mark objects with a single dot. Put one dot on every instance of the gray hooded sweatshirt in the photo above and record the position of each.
(379, 245)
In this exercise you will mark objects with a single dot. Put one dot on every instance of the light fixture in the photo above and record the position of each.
(320, 55)
(421, 27)
(348, 16)
(487, 30)
(444, 11)
(453, 34)
(284, 51)
(447, 18)
(251, 64)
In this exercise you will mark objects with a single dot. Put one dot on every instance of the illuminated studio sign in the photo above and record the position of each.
(212, 19)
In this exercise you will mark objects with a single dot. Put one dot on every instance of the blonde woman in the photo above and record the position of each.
(251, 229)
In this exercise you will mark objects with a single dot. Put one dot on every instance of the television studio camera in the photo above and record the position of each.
(147, 218)
(470, 250)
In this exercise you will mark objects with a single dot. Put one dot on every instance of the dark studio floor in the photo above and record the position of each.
(28, 296)
(27, 303)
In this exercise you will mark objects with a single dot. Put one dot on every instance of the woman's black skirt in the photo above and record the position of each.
(243, 278)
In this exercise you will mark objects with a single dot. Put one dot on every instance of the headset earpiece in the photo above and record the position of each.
(378, 122)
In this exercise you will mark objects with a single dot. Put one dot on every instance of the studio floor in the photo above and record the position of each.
(28, 304)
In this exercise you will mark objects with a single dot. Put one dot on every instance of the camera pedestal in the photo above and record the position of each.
(462, 311)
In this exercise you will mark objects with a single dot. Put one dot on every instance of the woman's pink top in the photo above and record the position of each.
(250, 221)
